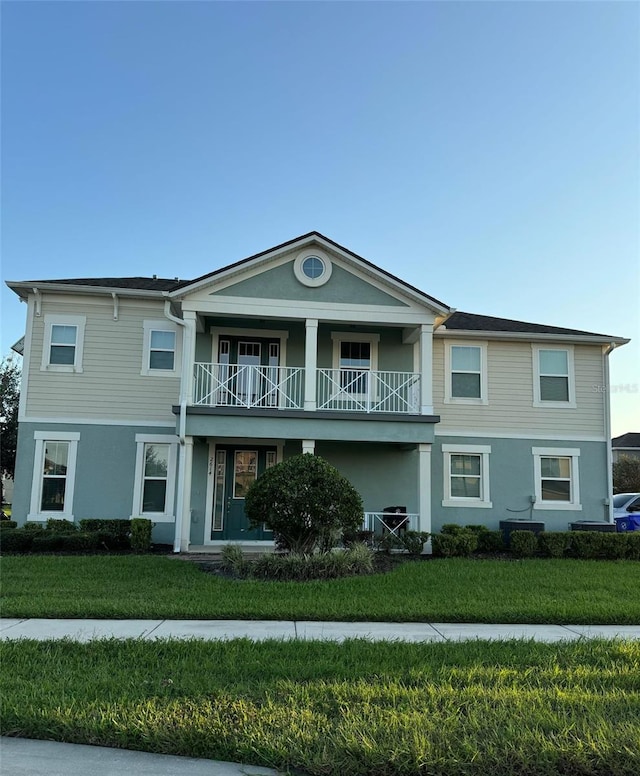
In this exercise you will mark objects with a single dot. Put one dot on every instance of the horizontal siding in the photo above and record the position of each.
(110, 387)
(510, 408)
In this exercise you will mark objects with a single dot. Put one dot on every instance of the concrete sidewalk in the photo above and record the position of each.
(28, 757)
(260, 630)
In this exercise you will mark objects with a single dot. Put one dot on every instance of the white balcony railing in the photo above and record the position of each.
(244, 385)
(282, 387)
(390, 522)
(357, 390)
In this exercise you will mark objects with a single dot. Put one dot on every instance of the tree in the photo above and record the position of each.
(626, 475)
(9, 398)
(306, 502)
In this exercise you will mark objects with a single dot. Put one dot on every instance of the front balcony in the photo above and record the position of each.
(276, 387)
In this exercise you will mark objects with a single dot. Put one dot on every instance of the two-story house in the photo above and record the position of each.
(167, 398)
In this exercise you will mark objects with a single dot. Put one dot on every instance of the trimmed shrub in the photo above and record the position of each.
(523, 544)
(5, 524)
(48, 541)
(632, 542)
(64, 526)
(554, 544)
(413, 541)
(491, 541)
(141, 534)
(478, 529)
(17, 540)
(306, 502)
(467, 543)
(444, 545)
(452, 529)
(585, 544)
(113, 526)
(33, 526)
(297, 567)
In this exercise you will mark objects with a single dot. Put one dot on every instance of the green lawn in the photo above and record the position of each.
(352, 709)
(451, 590)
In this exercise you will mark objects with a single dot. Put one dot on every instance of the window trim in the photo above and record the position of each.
(556, 452)
(51, 320)
(41, 438)
(484, 451)
(161, 325)
(537, 398)
(484, 380)
(168, 516)
(298, 271)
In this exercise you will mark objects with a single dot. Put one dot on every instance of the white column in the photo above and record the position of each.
(310, 363)
(424, 492)
(426, 369)
(185, 506)
(309, 446)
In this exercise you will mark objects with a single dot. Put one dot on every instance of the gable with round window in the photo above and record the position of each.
(312, 268)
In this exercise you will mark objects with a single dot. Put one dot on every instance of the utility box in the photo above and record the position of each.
(507, 526)
(593, 525)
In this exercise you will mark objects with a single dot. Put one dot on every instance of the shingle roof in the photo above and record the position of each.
(471, 322)
(145, 284)
(630, 439)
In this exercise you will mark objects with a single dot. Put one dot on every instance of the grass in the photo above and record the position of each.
(447, 590)
(456, 709)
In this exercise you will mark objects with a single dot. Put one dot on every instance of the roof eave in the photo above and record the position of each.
(595, 339)
(24, 288)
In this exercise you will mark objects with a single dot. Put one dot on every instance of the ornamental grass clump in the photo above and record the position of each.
(306, 502)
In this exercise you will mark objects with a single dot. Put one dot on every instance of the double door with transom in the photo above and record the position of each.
(236, 467)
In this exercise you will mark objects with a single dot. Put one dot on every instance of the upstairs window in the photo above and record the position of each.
(465, 373)
(161, 349)
(63, 343)
(553, 381)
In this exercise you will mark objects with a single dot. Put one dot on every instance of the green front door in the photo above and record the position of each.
(236, 468)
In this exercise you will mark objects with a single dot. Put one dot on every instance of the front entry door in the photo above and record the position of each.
(236, 468)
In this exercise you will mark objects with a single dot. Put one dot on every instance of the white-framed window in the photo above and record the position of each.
(556, 477)
(466, 476)
(312, 268)
(155, 477)
(63, 343)
(54, 472)
(465, 370)
(553, 377)
(161, 350)
(355, 355)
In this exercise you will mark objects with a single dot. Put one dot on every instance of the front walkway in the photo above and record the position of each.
(259, 630)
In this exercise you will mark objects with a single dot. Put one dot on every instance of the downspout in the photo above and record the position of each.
(607, 429)
(182, 426)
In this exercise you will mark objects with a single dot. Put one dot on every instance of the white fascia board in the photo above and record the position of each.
(585, 339)
(23, 289)
(283, 308)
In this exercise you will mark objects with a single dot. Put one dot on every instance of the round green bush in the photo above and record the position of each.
(306, 502)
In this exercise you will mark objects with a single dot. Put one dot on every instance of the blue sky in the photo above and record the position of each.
(488, 153)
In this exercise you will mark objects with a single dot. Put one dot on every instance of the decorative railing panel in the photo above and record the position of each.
(390, 522)
(243, 385)
(356, 390)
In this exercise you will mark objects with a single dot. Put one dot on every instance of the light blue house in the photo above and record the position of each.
(167, 398)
